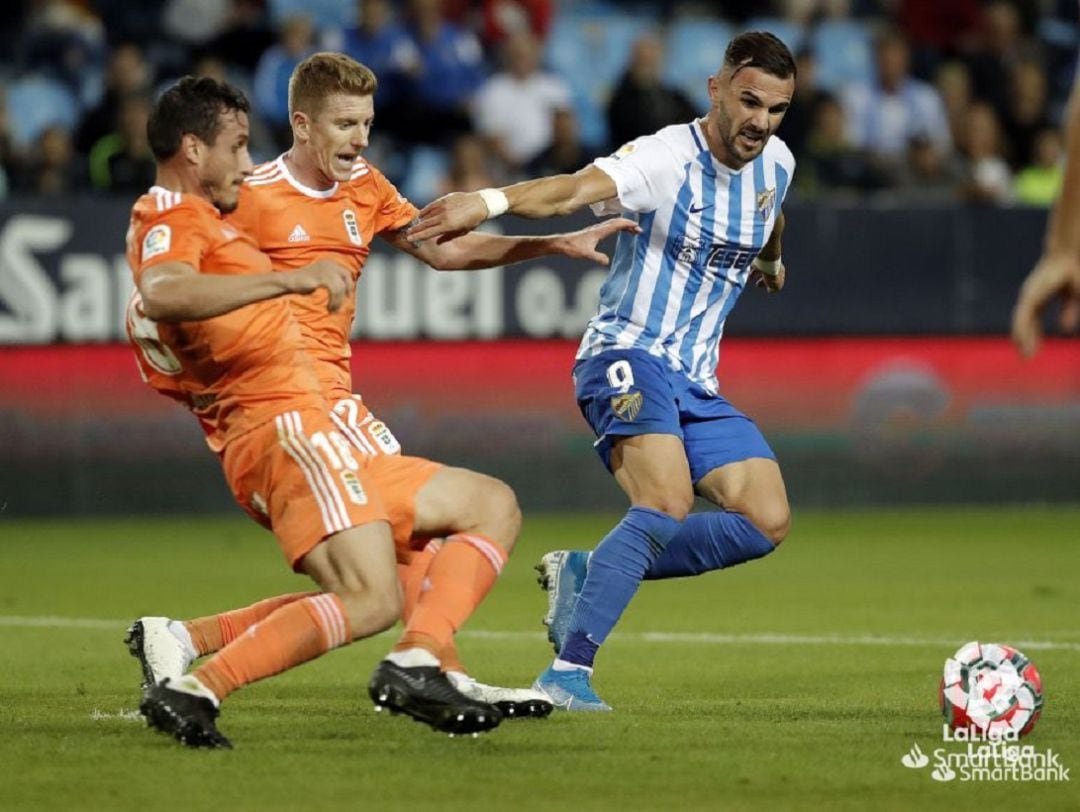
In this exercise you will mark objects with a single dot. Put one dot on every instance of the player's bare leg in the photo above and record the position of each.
(479, 518)
(165, 648)
(357, 571)
(755, 488)
(754, 520)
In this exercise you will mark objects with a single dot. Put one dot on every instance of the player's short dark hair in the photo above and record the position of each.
(193, 105)
(761, 50)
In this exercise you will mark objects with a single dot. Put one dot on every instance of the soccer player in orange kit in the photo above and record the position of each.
(477, 511)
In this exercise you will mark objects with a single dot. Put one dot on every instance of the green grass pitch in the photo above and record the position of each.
(771, 686)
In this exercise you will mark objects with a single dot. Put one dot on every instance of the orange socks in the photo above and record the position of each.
(214, 632)
(459, 577)
(299, 631)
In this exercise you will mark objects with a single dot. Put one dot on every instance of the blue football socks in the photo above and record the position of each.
(616, 568)
(709, 541)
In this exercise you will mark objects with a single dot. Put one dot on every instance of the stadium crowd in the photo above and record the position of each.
(902, 100)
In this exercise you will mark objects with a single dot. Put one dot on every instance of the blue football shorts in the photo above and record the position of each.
(623, 393)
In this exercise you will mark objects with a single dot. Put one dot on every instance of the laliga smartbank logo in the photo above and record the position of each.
(991, 696)
(993, 756)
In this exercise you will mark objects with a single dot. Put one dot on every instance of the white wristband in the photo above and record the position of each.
(495, 200)
(768, 267)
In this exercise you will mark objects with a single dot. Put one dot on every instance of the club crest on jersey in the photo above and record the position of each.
(157, 241)
(688, 252)
(353, 488)
(383, 437)
(765, 202)
(352, 228)
(627, 406)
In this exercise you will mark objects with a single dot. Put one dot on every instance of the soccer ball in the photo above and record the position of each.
(992, 688)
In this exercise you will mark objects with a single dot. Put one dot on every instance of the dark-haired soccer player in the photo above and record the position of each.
(707, 196)
(212, 330)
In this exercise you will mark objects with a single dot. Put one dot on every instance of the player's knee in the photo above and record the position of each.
(376, 607)
(503, 512)
(775, 523)
(675, 502)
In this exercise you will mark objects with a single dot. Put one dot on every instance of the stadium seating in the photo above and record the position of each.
(323, 13)
(590, 52)
(35, 103)
(695, 49)
(787, 32)
(844, 53)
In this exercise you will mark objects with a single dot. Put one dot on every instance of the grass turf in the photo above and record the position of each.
(818, 716)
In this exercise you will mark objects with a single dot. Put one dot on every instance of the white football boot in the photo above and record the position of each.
(514, 703)
(160, 652)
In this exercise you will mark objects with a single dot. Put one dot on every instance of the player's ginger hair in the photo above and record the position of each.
(322, 75)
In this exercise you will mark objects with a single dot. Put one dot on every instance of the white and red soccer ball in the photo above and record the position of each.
(991, 688)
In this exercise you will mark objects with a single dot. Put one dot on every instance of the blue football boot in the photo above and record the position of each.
(570, 690)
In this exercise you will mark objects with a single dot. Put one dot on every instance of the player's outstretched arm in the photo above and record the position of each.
(544, 197)
(477, 250)
(175, 291)
(1057, 273)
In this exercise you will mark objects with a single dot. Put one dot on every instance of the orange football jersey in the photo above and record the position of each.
(235, 371)
(296, 225)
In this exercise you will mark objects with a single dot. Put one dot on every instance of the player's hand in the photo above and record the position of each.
(582, 244)
(324, 273)
(1056, 276)
(450, 215)
(771, 282)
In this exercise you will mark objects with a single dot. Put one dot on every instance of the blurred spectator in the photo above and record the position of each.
(1025, 115)
(1001, 46)
(806, 12)
(7, 153)
(884, 116)
(503, 18)
(122, 161)
(937, 30)
(799, 118)
(382, 44)
(451, 70)
(954, 87)
(567, 154)
(53, 168)
(515, 109)
(127, 73)
(196, 22)
(470, 167)
(1039, 183)
(66, 41)
(641, 103)
(831, 163)
(929, 176)
(125, 21)
(246, 35)
(988, 178)
(272, 74)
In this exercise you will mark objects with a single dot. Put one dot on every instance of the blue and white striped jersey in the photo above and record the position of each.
(670, 288)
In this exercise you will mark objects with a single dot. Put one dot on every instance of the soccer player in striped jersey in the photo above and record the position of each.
(708, 196)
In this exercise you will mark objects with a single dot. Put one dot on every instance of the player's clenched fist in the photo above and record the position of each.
(324, 273)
